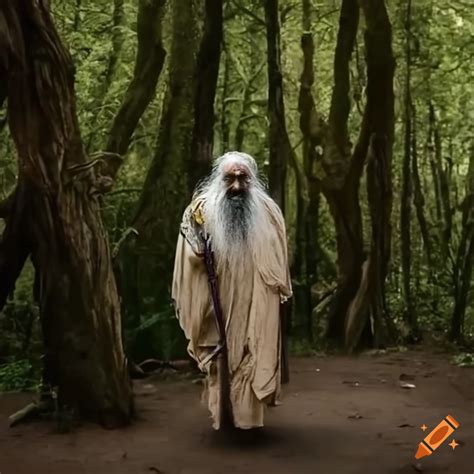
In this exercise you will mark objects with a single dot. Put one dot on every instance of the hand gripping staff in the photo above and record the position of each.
(220, 351)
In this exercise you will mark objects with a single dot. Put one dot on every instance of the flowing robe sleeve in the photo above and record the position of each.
(190, 292)
(273, 258)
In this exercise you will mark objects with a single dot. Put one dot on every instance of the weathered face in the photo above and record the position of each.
(236, 179)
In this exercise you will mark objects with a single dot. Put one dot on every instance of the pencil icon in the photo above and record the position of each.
(436, 438)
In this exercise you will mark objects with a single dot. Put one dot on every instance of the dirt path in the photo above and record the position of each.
(340, 416)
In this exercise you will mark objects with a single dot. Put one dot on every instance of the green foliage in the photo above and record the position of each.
(464, 359)
(19, 375)
(442, 50)
(301, 347)
(161, 335)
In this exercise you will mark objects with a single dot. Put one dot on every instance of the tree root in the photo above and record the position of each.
(31, 411)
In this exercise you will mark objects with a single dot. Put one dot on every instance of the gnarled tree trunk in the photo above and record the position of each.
(340, 184)
(361, 280)
(55, 217)
(378, 127)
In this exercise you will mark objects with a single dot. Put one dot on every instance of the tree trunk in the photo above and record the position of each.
(206, 77)
(443, 185)
(58, 214)
(462, 275)
(14, 247)
(361, 281)
(141, 90)
(306, 251)
(418, 197)
(279, 144)
(406, 198)
(340, 183)
(378, 124)
(224, 118)
(166, 190)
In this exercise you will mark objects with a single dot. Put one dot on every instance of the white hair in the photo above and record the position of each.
(233, 248)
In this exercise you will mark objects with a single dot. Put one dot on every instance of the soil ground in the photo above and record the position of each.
(339, 415)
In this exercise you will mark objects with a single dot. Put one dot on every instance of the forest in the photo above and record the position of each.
(359, 113)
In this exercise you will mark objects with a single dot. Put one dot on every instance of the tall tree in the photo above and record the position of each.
(376, 143)
(141, 90)
(418, 196)
(361, 280)
(312, 129)
(462, 275)
(407, 187)
(279, 143)
(168, 185)
(54, 216)
(340, 183)
(206, 75)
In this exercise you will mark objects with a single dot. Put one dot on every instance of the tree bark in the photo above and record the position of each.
(360, 291)
(443, 186)
(340, 180)
(60, 218)
(166, 191)
(14, 246)
(462, 275)
(224, 118)
(312, 129)
(279, 143)
(418, 196)
(141, 90)
(207, 72)
(378, 124)
(407, 189)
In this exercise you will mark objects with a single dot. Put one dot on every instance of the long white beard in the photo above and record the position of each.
(239, 227)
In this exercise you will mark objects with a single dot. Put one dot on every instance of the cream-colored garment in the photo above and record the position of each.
(250, 298)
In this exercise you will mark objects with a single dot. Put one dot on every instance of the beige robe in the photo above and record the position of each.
(250, 302)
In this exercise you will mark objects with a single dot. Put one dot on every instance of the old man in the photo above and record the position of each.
(232, 216)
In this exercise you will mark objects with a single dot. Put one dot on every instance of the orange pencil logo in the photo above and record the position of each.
(437, 437)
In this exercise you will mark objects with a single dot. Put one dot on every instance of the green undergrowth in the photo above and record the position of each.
(20, 376)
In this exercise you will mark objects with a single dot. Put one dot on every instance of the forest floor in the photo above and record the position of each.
(339, 415)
